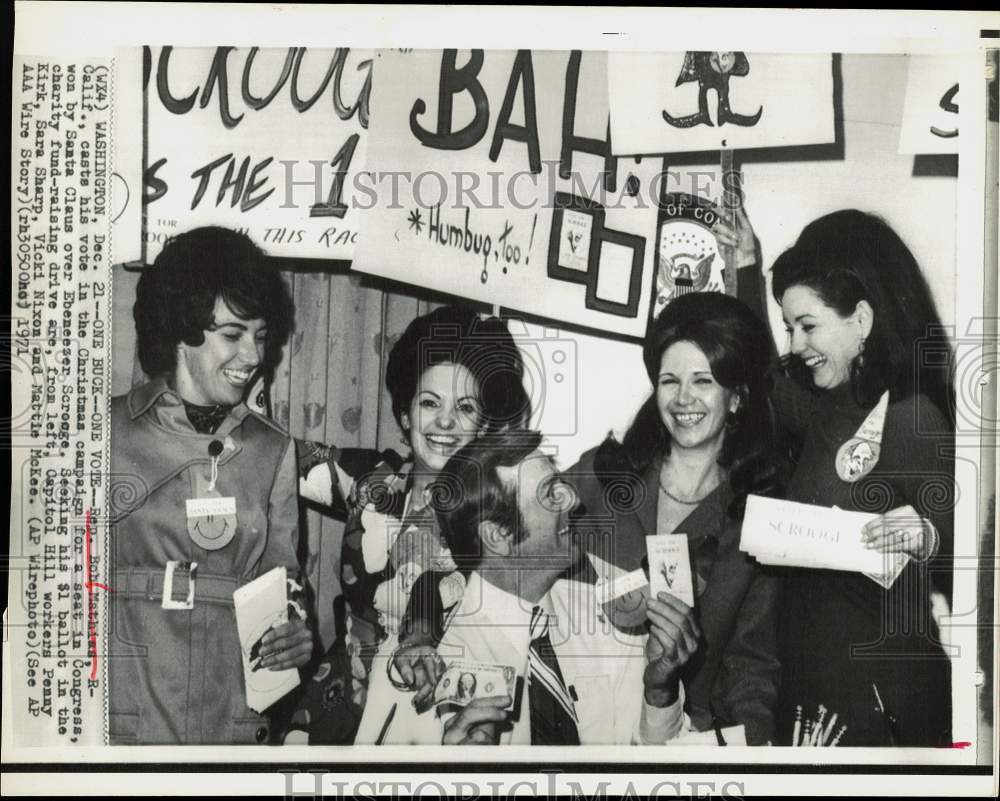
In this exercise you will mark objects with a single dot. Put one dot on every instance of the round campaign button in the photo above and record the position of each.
(212, 531)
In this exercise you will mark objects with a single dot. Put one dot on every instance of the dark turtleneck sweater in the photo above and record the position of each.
(840, 631)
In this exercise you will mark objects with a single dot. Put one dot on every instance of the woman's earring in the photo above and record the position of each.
(861, 353)
(732, 418)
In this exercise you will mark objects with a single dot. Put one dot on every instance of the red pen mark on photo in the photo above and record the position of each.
(959, 745)
(90, 586)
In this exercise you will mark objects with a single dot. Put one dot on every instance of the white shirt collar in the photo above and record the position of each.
(482, 596)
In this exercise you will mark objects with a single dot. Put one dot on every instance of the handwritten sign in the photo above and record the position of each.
(496, 182)
(678, 102)
(126, 177)
(930, 108)
(269, 141)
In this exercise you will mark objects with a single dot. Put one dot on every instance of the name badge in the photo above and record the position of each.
(211, 521)
(208, 507)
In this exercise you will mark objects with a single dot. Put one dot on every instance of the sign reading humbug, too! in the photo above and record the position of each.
(496, 182)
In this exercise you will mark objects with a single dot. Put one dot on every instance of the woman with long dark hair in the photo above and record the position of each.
(697, 447)
(870, 404)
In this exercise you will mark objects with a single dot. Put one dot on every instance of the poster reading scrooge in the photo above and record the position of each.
(264, 140)
(496, 183)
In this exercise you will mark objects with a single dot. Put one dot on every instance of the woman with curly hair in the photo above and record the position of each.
(452, 376)
(210, 314)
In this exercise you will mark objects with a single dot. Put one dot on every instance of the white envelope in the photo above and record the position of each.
(259, 605)
(794, 534)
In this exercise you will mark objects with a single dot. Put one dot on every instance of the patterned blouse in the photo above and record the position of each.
(386, 546)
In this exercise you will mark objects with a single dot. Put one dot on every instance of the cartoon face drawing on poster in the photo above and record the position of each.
(713, 71)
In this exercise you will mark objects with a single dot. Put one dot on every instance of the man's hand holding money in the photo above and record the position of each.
(479, 723)
(483, 694)
(673, 640)
(419, 666)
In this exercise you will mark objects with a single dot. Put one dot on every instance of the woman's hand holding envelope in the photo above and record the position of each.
(902, 530)
(286, 646)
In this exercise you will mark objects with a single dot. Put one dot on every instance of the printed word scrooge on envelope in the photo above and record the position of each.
(777, 532)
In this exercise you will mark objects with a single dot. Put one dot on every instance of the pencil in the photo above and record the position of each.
(828, 732)
(385, 726)
(818, 731)
(840, 733)
(818, 726)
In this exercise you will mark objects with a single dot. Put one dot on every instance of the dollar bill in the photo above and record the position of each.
(463, 682)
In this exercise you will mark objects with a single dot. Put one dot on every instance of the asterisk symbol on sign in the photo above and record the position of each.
(415, 220)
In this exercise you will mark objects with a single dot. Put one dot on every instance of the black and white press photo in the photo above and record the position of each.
(391, 397)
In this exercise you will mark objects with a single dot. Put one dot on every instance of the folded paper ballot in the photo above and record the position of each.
(777, 532)
(670, 566)
(261, 605)
(621, 594)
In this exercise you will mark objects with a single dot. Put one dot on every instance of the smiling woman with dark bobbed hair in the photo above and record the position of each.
(210, 314)
(452, 376)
